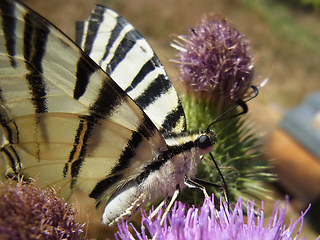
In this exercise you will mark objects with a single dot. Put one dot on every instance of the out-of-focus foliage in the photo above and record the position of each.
(307, 4)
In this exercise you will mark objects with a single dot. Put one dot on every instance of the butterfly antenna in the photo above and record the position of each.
(225, 187)
(240, 103)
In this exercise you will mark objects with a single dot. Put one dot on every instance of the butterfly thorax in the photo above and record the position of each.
(183, 156)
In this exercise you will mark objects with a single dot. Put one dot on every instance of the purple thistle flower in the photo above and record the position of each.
(27, 212)
(214, 60)
(207, 222)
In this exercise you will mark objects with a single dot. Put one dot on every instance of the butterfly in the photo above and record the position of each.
(102, 118)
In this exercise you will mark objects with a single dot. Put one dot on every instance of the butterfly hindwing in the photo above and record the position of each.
(115, 45)
(64, 120)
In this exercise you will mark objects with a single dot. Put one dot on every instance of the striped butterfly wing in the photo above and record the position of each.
(115, 45)
(63, 119)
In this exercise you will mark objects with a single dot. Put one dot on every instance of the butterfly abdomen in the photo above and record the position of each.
(124, 203)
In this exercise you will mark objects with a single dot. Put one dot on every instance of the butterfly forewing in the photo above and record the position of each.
(64, 120)
(125, 55)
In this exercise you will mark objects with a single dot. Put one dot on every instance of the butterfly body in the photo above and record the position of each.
(104, 119)
(159, 179)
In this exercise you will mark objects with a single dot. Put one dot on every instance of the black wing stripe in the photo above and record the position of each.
(94, 23)
(172, 118)
(78, 141)
(9, 26)
(130, 150)
(156, 89)
(79, 33)
(27, 37)
(114, 36)
(123, 48)
(104, 185)
(12, 135)
(146, 68)
(15, 162)
(110, 96)
(76, 164)
(128, 153)
(35, 39)
(6, 121)
(83, 74)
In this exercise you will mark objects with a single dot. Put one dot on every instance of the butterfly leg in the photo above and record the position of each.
(173, 198)
(203, 183)
(199, 183)
(196, 183)
(155, 212)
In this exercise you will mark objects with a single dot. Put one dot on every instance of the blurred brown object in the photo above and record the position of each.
(61, 13)
(298, 170)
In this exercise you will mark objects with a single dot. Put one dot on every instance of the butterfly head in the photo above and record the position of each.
(206, 141)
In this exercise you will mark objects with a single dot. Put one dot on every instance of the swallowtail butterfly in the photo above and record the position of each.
(105, 120)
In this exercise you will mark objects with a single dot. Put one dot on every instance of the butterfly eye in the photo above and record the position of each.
(204, 142)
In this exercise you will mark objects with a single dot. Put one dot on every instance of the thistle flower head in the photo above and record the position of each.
(214, 59)
(207, 222)
(27, 212)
